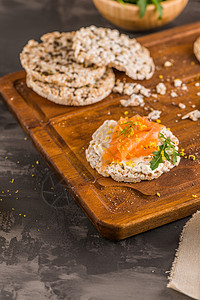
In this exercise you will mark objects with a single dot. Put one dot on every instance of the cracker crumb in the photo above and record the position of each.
(168, 64)
(193, 115)
(154, 115)
(134, 100)
(197, 84)
(177, 82)
(184, 87)
(173, 94)
(161, 88)
(181, 105)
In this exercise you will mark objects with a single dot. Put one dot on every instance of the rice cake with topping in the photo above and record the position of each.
(52, 61)
(85, 95)
(130, 166)
(104, 46)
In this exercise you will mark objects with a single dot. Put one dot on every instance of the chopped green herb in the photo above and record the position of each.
(162, 154)
(128, 129)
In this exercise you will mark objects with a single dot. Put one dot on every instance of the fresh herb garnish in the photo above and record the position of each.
(143, 5)
(128, 129)
(162, 154)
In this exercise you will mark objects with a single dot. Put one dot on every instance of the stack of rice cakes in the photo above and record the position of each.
(75, 68)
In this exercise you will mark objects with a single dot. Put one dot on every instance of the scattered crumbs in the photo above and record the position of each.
(12, 180)
(11, 98)
(194, 196)
(177, 82)
(126, 113)
(178, 115)
(168, 64)
(154, 95)
(176, 121)
(193, 106)
(108, 113)
(160, 76)
(25, 138)
(173, 94)
(158, 194)
(16, 192)
(174, 103)
(197, 84)
(198, 94)
(181, 105)
(83, 148)
(37, 162)
(85, 118)
(192, 63)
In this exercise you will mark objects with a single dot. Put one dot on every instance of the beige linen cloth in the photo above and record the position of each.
(185, 272)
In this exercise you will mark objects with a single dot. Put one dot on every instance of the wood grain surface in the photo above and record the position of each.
(61, 134)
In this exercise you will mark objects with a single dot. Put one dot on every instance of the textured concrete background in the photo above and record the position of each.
(48, 247)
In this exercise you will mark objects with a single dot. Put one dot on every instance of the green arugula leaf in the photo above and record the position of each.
(158, 156)
(159, 8)
(154, 163)
(142, 5)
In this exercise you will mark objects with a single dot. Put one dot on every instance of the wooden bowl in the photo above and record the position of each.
(127, 16)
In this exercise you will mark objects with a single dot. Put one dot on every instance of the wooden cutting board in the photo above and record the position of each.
(61, 134)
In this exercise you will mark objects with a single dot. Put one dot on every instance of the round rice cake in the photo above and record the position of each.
(85, 95)
(196, 48)
(134, 170)
(53, 61)
(104, 46)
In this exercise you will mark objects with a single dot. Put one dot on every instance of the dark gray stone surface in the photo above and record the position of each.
(48, 248)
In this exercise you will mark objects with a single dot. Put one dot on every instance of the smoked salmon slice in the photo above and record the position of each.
(132, 137)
